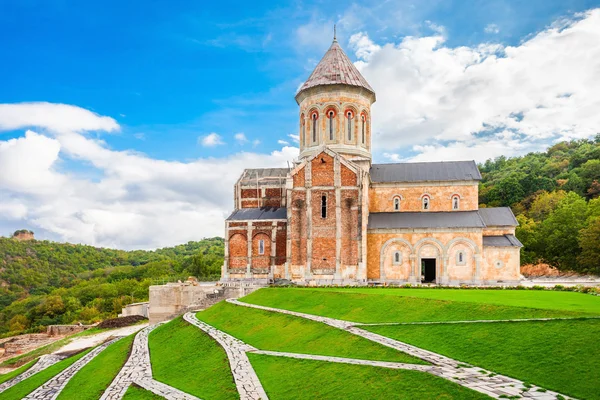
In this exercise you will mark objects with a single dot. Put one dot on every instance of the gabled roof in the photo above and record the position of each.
(249, 214)
(335, 68)
(502, 241)
(501, 216)
(425, 172)
(498, 216)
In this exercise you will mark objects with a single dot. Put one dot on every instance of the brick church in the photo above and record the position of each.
(337, 218)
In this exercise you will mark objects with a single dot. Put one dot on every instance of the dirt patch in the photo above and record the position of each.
(120, 322)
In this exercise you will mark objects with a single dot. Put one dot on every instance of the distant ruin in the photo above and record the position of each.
(23, 235)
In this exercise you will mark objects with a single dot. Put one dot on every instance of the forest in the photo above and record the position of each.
(44, 283)
(554, 194)
(555, 197)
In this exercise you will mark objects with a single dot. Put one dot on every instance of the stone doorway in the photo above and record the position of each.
(428, 270)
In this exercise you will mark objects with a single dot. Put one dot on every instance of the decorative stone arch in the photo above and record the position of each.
(429, 198)
(314, 126)
(266, 237)
(439, 263)
(476, 255)
(384, 249)
(237, 250)
(400, 199)
(458, 199)
(349, 108)
(364, 128)
(330, 114)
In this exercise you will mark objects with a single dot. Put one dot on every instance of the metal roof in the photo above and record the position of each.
(403, 220)
(425, 172)
(264, 176)
(248, 214)
(498, 216)
(502, 241)
(335, 68)
(501, 216)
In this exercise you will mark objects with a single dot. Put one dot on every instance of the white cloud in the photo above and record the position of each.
(295, 138)
(491, 28)
(211, 140)
(255, 142)
(432, 95)
(133, 202)
(283, 142)
(241, 138)
(363, 46)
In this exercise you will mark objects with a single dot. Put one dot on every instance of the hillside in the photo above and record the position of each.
(554, 195)
(45, 283)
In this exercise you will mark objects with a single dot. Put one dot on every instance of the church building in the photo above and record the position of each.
(336, 218)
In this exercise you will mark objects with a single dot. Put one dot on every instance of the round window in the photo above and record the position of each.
(499, 264)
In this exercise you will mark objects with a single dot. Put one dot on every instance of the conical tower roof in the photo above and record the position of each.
(335, 68)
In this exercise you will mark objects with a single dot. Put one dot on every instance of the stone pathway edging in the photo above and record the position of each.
(246, 380)
(42, 363)
(52, 388)
(472, 377)
(138, 370)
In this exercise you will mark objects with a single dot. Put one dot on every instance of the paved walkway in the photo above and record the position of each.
(51, 389)
(43, 362)
(246, 380)
(472, 377)
(138, 370)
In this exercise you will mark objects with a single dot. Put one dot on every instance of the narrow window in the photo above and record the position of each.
(303, 133)
(261, 247)
(363, 128)
(349, 115)
(425, 203)
(396, 203)
(397, 258)
(323, 206)
(330, 114)
(455, 203)
(314, 127)
(460, 258)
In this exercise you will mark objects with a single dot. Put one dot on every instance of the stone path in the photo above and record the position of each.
(465, 375)
(51, 389)
(246, 380)
(138, 370)
(43, 362)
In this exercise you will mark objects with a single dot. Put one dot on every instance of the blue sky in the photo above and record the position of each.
(176, 70)
(121, 95)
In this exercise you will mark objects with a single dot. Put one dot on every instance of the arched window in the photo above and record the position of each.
(425, 202)
(314, 118)
(331, 116)
(261, 246)
(364, 123)
(349, 117)
(396, 203)
(323, 206)
(302, 136)
(455, 202)
(397, 258)
(460, 258)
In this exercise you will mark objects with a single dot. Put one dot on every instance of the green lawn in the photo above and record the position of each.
(557, 355)
(137, 393)
(279, 332)
(93, 379)
(185, 357)
(285, 378)
(410, 305)
(8, 376)
(27, 386)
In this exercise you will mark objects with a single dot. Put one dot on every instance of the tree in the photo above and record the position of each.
(510, 190)
(559, 232)
(589, 241)
(545, 203)
(527, 234)
(18, 323)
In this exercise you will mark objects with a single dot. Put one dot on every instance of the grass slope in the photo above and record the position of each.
(558, 355)
(8, 376)
(137, 393)
(285, 378)
(27, 386)
(540, 299)
(394, 305)
(186, 358)
(279, 332)
(93, 379)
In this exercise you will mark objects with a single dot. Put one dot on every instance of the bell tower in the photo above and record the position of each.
(335, 109)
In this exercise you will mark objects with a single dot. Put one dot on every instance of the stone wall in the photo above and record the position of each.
(381, 196)
(135, 309)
